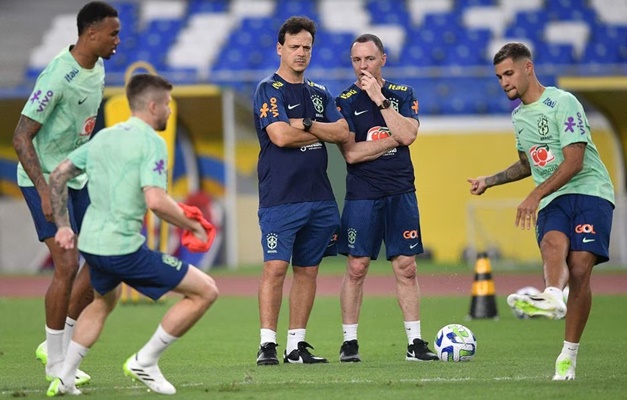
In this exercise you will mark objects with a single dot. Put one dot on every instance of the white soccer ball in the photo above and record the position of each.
(529, 291)
(455, 343)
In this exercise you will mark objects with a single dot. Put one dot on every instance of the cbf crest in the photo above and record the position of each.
(272, 240)
(543, 125)
(318, 104)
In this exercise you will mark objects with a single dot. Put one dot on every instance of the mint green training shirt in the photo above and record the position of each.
(65, 101)
(119, 161)
(546, 126)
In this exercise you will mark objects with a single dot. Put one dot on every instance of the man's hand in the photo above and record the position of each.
(477, 185)
(65, 238)
(526, 214)
(370, 85)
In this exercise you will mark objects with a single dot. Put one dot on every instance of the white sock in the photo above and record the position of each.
(68, 332)
(267, 336)
(570, 350)
(412, 329)
(150, 353)
(294, 336)
(554, 292)
(54, 341)
(350, 332)
(73, 358)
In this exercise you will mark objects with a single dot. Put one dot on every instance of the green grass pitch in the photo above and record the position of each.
(216, 359)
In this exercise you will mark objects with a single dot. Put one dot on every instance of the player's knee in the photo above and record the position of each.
(405, 268)
(357, 271)
(209, 293)
(579, 273)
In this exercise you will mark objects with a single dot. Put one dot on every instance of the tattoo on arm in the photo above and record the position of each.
(25, 131)
(58, 191)
(519, 170)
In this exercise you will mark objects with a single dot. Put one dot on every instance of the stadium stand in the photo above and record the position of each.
(441, 47)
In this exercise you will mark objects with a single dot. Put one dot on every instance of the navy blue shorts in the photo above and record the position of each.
(150, 272)
(392, 219)
(77, 202)
(585, 220)
(303, 232)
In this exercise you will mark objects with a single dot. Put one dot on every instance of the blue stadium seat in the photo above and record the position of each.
(600, 53)
(550, 53)
(205, 6)
(388, 12)
(462, 55)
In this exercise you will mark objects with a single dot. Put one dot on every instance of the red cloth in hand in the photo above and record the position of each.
(191, 242)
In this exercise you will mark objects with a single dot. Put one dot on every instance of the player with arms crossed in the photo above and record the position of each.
(383, 120)
(59, 117)
(298, 214)
(571, 205)
(126, 166)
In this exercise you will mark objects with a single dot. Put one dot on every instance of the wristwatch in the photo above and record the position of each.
(307, 122)
(385, 104)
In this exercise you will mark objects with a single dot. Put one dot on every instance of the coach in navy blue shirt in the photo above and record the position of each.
(298, 214)
(381, 200)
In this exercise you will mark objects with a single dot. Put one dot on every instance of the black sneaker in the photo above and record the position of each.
(267, 354)
(302, 355)
(419, 351)
(349, 352)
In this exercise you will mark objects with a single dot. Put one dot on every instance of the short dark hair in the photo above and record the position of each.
(294, 25)
(514, 50)
(369, 37)
(142, 83)
(92, 13)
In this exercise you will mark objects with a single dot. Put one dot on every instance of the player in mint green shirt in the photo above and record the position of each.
(58, 117)
(127, 169)
(571, 205)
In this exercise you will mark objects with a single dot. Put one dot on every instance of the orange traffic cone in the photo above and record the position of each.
(483, 304)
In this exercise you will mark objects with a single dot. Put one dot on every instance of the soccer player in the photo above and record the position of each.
(126, 167)
(298, 214)
(571, 205)
(383, 121)
(59, 117)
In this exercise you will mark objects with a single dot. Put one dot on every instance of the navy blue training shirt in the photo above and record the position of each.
(393, 172)
(292, 174)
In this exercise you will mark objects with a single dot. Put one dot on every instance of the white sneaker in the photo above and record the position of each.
(150, 376)
(57, 388)
(41, 354)
(564, 369)
(539, 305)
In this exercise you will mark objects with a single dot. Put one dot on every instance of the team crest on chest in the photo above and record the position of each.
(543, 125)
(318, 103)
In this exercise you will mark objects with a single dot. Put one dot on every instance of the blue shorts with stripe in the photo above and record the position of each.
(585, 220)
(150, 272)
(394, 220)
(301, 232)
(77, 202)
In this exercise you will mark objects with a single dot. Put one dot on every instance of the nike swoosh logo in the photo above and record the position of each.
(520, 130)
(292, 106)
(360, 112)
(586, 240)
(293, 334)
(413, 245)
(82, 101)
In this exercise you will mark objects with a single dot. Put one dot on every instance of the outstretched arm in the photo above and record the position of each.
(515, 172)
